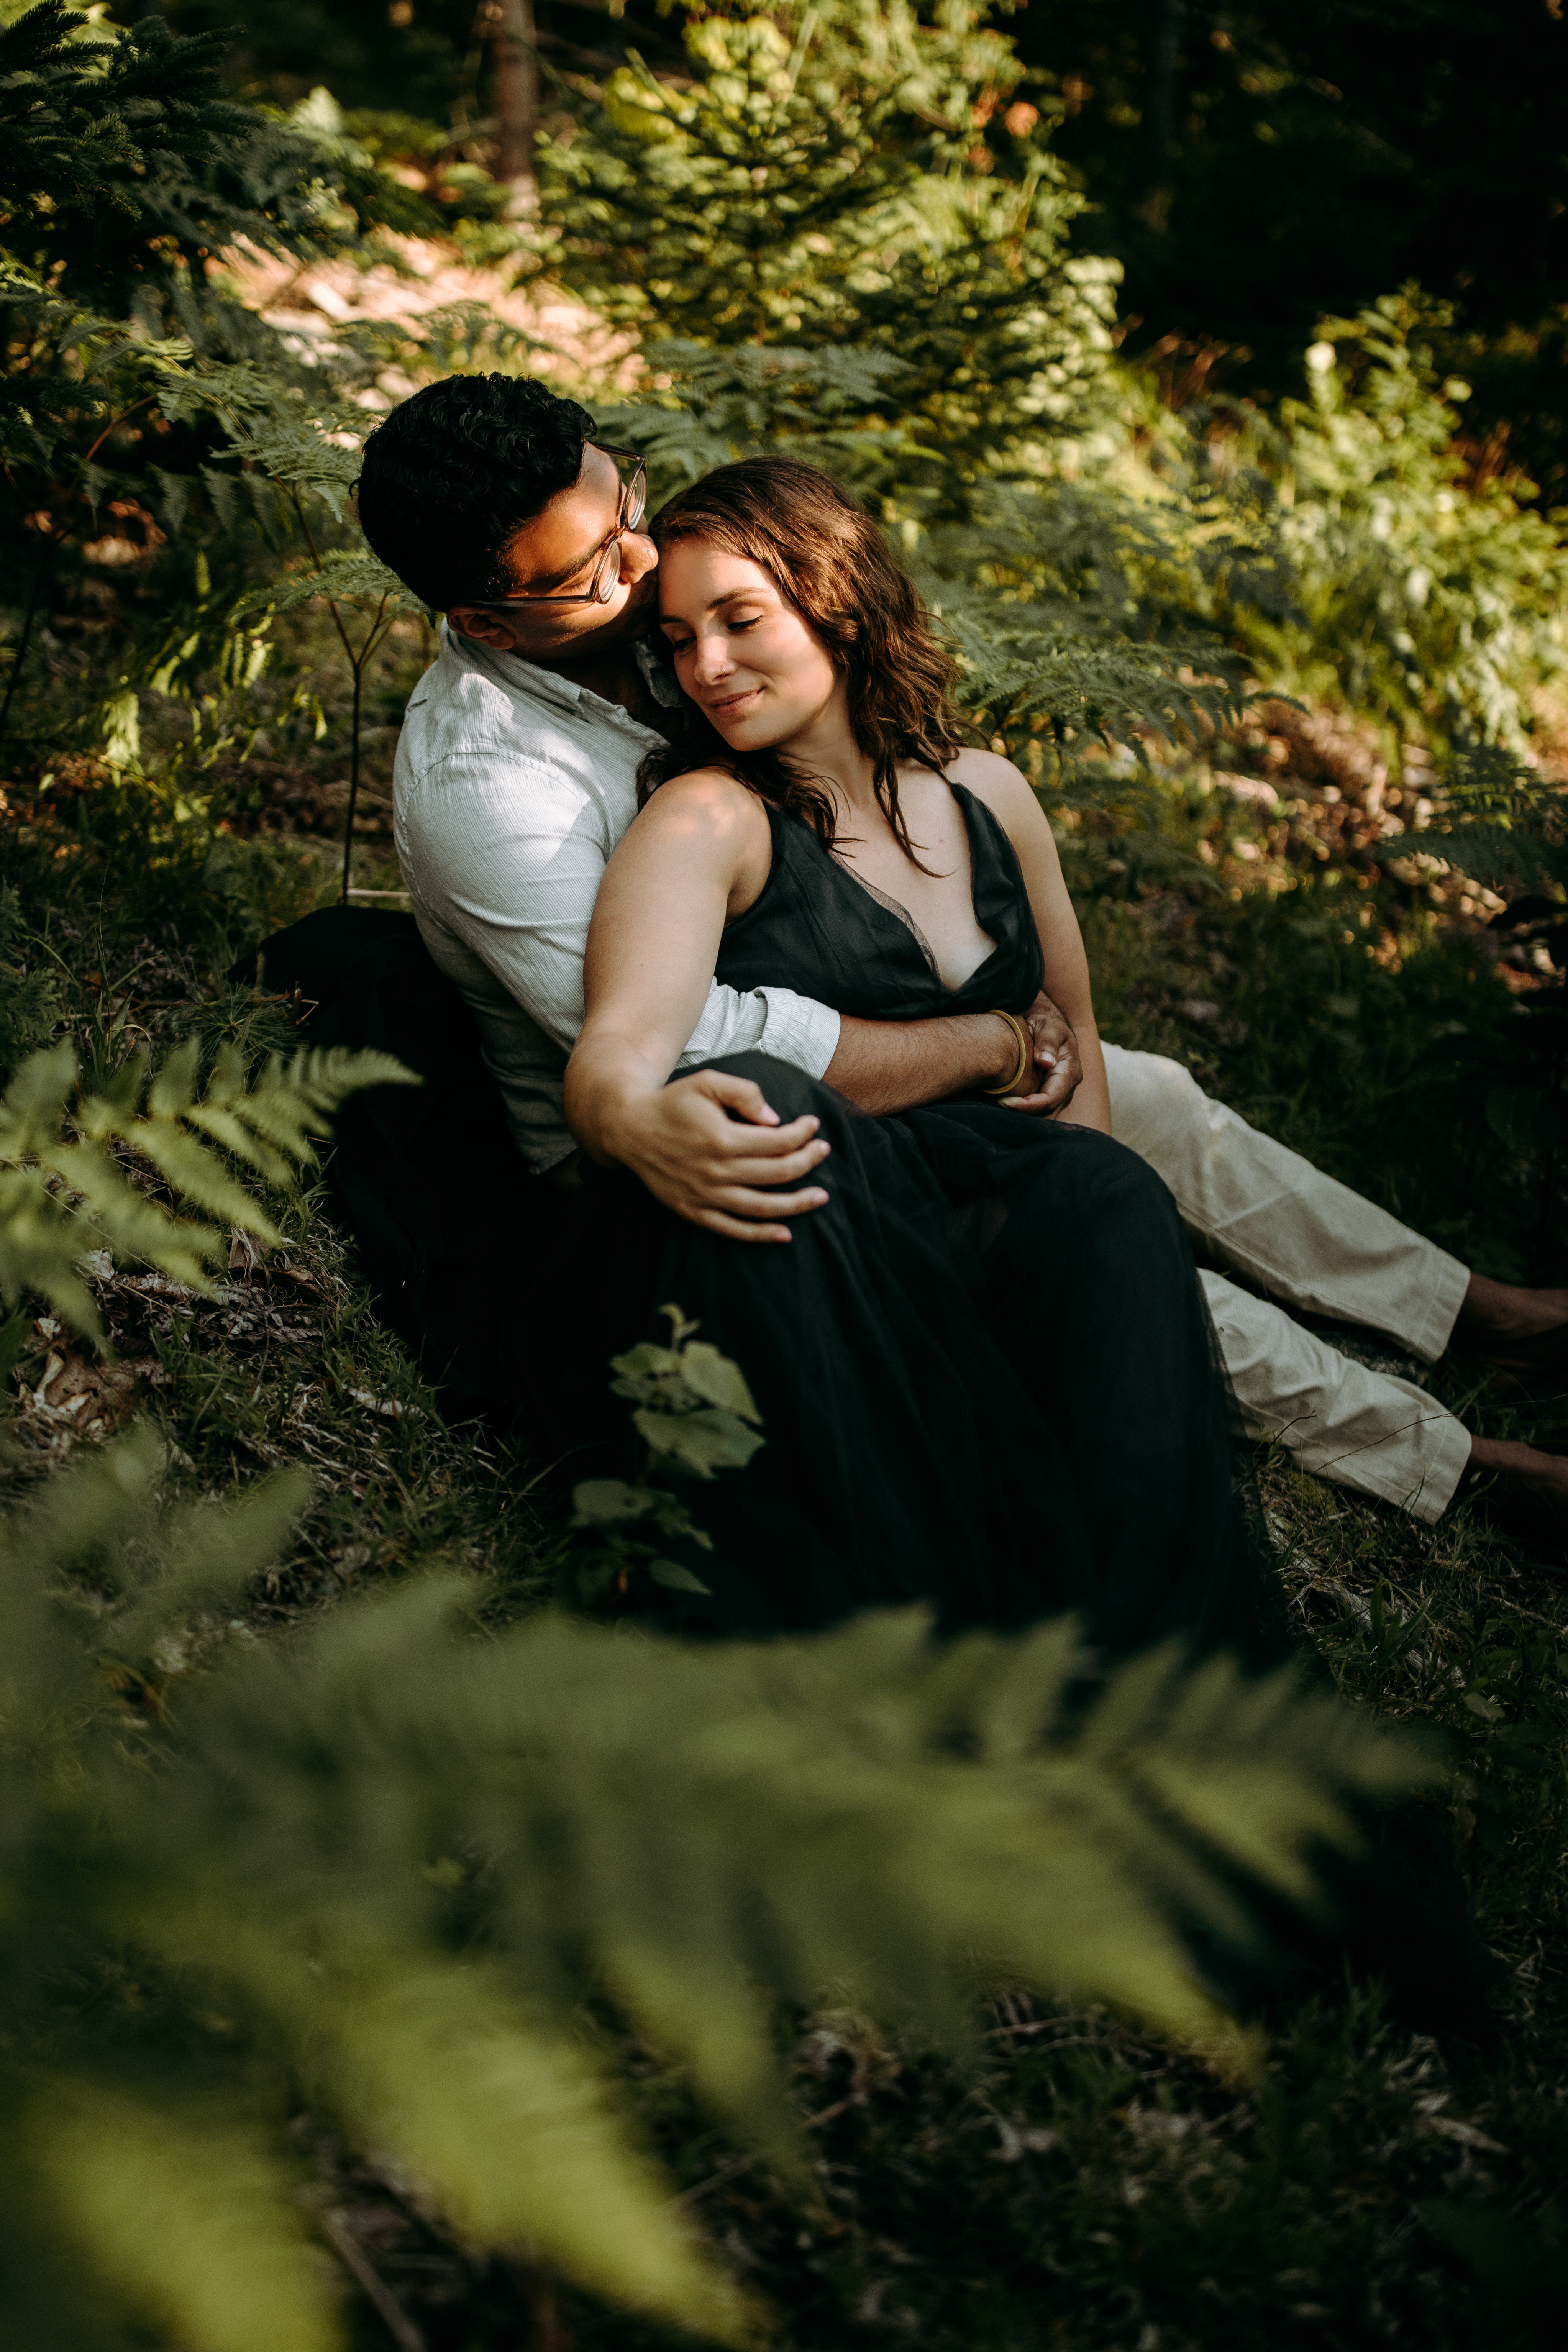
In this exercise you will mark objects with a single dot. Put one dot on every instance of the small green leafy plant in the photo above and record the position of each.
(695, 1414)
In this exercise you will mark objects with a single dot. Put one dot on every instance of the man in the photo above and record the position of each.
(516, 778)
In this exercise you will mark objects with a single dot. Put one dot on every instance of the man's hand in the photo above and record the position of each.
(1057, 1066)
(706, 1165)
(885, 1065)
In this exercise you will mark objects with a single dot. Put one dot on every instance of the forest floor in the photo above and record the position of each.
(1076, 2186)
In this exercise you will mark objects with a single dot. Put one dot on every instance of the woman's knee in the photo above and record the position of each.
(787, 1090)
(1110, 1194)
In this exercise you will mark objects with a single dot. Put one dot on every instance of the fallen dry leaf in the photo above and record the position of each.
(372, 1403)
(1465, 2134)
(244, 1253)
(79, 1397)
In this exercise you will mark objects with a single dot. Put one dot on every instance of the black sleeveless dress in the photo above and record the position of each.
(817, 929)
(986, 1371)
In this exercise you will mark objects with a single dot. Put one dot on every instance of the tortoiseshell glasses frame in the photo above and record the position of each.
(605, 558)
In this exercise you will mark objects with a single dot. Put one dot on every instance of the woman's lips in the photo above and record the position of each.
(732, 705)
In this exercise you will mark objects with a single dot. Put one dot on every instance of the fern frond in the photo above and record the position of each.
(300, 450)
(711, 1827)
(104, 1531)
(341, 577)
(502, 2116)
(204, 1558)
(1053, 663)
(884, 1807)
(194, 2223)
(64, 1191)
(1519, 854)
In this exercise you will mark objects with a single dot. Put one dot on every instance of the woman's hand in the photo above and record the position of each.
(1058, 1063)
(706, 1164)
(1008, 795)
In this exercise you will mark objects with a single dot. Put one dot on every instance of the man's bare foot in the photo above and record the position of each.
(1531, 1488)
(1517, 1330)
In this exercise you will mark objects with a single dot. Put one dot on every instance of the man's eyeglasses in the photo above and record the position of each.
(607, 556)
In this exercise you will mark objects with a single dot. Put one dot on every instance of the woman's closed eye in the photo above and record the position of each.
(735, 624)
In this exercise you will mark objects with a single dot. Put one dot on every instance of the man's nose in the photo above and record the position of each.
(639, 556)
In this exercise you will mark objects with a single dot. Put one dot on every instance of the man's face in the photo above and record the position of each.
(554, 552)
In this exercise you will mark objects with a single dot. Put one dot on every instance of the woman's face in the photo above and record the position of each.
(744, 656)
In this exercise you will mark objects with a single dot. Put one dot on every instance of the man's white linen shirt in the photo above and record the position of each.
(511, 788)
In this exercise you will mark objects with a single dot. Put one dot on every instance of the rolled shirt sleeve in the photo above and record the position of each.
(765, 1021)
(516, 873)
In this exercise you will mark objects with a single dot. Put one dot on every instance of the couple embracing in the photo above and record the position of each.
(785, 999)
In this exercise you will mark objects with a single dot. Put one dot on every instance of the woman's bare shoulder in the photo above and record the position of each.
(706, 796)
(1005, 790)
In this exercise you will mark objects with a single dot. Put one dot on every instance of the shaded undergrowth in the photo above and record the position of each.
(1080, 2185)
(1076, 2186)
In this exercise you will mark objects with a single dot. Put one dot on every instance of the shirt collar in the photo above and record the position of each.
(510, 671)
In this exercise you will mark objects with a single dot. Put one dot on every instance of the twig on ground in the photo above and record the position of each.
(400, 2327)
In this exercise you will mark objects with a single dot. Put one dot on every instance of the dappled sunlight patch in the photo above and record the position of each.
(441, 305)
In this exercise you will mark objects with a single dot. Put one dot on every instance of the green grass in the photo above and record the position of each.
(288, 1365)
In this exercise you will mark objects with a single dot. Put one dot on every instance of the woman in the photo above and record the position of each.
(986, 1371)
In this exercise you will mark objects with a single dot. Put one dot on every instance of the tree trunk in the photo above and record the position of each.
(1164, 75)
(516, 95)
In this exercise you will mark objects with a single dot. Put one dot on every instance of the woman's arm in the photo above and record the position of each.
(1007, 795)
(699, 853)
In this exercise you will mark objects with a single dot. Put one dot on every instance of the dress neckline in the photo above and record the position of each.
(884, 898)
(814, 927)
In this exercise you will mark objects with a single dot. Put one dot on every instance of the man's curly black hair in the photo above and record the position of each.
(452, 472)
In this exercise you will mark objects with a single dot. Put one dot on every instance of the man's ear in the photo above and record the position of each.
(490, 628)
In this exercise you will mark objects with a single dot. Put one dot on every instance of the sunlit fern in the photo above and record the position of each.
(387, 1865)
(68, 1179)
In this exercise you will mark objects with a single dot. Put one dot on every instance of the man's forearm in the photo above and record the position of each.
(885, 1065)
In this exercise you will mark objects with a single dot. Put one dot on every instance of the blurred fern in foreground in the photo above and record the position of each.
(66, 1186)
(390, 1866)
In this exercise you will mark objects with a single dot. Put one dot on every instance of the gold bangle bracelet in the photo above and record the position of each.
(1026, 1055)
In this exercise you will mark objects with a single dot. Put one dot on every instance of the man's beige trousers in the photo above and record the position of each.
(1312, 1243)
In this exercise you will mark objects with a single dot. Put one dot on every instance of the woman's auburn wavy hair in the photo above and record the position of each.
(826, 557)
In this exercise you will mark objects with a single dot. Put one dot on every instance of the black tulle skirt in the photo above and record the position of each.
(985, 1373)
